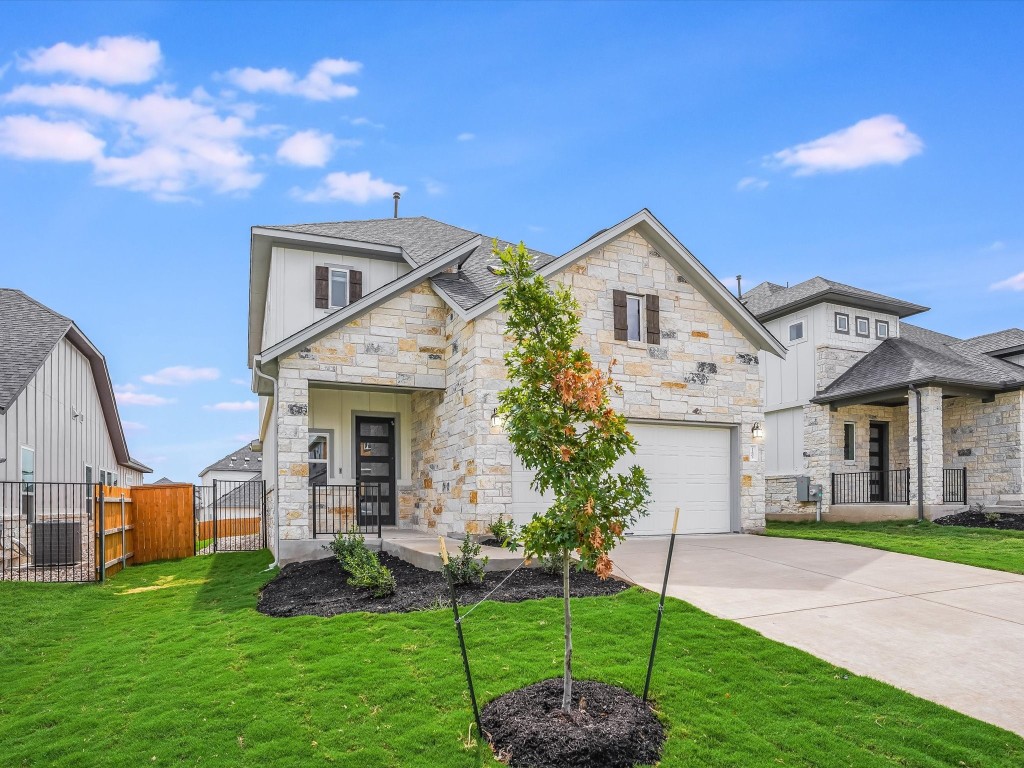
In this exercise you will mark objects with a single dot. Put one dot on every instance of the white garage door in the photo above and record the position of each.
(687, 467)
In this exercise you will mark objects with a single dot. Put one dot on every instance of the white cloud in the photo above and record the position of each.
(29, 138)
(177, 375)
(244, 405)
(112, 60)
(133, 426)
(318, 84)
(1015, 283)
(351, 187)
(751, 182)
(466, 136)
(241, 382)
(129, 394)
(996, 245)
(880, 140)
(364, 121)
(434, 187)
(311, 149)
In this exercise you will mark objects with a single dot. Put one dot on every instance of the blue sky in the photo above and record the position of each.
(875, 144)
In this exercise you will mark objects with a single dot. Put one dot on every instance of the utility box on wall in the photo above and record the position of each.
(805, 491)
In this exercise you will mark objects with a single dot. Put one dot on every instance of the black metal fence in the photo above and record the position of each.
(871, 487)
(954, 486)
(346, 508)
(230, 516)
(47, 531)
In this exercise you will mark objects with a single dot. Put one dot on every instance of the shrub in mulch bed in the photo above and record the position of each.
(608, 726)
(320, 588)
(1000, 520)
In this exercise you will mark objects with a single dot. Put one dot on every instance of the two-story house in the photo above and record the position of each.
(377, 354)
(884, 415)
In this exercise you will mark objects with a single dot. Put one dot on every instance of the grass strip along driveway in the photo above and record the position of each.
(982, 547)
(169, 664)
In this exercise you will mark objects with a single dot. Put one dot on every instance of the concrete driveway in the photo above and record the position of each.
(950, 633)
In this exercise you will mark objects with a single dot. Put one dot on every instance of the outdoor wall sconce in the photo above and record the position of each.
(496, 420)
(758, 431)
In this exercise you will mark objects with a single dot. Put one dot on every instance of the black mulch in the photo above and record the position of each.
(320, 588)
(611, 728)
(1005, 522)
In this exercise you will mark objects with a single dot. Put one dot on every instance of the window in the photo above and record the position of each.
(339, 288)
(88, 482)
(863, 327)
(881, 329)
(842, 322)
(796, 331)
(849, 441)
(318, 457)
(28, 483)
(633, 318)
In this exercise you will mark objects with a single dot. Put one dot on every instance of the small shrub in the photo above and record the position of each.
(371, 573)
(993, 517)
(346, 543)
(550, 564)
(506, 532)
(465, 567)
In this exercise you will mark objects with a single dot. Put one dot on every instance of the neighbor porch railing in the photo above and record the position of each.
(346, 508)
(871, 487)
(954, 486)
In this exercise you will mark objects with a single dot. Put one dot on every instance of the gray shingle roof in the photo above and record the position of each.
(995, 342)
(921, 356)
(425, 239)
(245, 459)
(28, 333)
(767, 300)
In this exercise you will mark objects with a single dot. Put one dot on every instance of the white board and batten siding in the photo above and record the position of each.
(689, 467)
(42, 418)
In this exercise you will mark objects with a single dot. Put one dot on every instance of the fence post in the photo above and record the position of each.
(215, 516)
(101, 532)
(124, 537)
(380, 526)
(964, 470)
(195, 522)
(907, 470)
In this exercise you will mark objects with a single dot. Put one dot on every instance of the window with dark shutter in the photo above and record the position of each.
(355, 285)
(619, 315)
(653, 319)
(322, 278)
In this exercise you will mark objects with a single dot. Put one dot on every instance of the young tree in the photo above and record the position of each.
(559, 420)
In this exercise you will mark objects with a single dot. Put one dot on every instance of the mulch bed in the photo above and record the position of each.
(320, 588)
(612, 728)
(1006, 522)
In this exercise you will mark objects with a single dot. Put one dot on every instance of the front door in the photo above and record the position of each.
(375, 469)
(878, 460)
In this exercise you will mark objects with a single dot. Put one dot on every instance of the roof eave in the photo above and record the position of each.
(896, 307)
(826, 399)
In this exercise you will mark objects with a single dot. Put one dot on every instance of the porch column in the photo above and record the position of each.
(931, 445)
(293, 455)
(818, 451)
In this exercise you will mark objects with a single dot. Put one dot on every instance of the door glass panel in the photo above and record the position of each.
(374, 429)
(374, 449)
(374, 468)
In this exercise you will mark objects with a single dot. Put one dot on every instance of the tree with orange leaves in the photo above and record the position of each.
(558, 416)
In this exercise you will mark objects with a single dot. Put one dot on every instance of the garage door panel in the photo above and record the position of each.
(687, 467)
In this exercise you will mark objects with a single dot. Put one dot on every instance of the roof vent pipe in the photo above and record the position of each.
(739, 286)
(397, 196)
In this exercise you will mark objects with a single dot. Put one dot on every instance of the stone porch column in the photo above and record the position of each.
(818, 449)
(293, 455)
(931, 445)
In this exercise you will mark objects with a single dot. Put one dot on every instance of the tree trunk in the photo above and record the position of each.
(567, 685)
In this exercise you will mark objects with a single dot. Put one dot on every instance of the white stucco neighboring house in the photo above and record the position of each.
(842, 407)
(59, 421)
(377, 354)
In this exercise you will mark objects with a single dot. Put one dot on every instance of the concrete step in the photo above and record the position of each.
(423, 551)
(1004, 509)
(1011, 500)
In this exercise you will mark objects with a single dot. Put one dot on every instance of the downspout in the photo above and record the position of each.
(920, 457)
(256, 363)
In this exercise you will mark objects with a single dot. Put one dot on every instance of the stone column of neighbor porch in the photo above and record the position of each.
(931, 446)
(818, 450)
(293, 455)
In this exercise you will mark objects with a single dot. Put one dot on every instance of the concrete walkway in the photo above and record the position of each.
(950, 633)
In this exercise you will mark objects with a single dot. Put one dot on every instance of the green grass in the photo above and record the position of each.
(169, 664)
(983, 547)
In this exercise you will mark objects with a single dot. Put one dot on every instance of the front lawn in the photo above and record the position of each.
(170, 664)
(983, 547)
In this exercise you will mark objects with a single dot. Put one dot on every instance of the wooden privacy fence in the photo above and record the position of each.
(141, 524)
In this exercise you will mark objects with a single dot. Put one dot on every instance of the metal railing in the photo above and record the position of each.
(230, 516)
(347, 508)
(954, 486)
(871, 487)
(47, 531)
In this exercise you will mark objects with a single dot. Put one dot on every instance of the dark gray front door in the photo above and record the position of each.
(878, 460)
(375, 469)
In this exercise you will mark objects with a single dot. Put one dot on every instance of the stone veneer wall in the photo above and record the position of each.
(931, 438)
(987, 439)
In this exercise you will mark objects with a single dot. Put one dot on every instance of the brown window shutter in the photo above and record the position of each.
(322, 278)
(619, 314)
(653, 319)
(355, 285)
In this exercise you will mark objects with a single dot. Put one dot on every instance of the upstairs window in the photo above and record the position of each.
(633, 318)
(637, 318)
(842, 322)
(863, 327)
(339, 288)
(881, 329)
(796, 331)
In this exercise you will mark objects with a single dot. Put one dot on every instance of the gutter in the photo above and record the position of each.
(257, 368)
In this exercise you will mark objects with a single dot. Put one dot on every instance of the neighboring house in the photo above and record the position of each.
(377, 350)
(163, 481)
(58, 416)
(842, 406)
(238, 466)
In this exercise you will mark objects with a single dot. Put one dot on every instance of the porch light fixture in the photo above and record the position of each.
(758, 431)
(496, 420)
